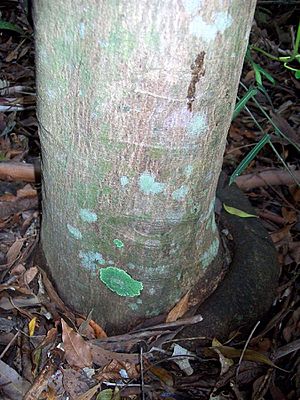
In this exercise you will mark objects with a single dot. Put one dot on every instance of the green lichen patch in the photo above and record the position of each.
(118, 281)
(118, 243)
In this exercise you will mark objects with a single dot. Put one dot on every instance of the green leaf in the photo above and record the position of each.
(261, 71)
(244, 164)
(237, 212)
(4, 25)
(243, 101)
(249, 355)
(106, 394)
(297, 74)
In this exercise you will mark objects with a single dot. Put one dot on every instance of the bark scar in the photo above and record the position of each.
(197, 70)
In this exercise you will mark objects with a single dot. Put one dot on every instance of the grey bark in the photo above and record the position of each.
(134, 103)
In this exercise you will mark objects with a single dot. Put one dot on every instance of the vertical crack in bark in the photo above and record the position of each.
(197, 70)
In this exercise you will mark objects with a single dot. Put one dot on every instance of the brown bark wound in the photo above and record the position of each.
(198, 70)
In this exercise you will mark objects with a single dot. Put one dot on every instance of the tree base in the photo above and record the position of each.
(248, 289)
(244, 292)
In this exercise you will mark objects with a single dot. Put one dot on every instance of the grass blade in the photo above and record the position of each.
(4, 25)
(242, 103)
(246, 161)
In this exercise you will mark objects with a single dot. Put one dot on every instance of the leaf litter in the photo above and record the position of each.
(48, 352)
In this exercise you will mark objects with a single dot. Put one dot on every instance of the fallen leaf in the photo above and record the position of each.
(11, 383)
(99, 332)
(27, 191)
(14, 251)
(179, 309)
(77, 350)
(106, 394)
(102, 357)
(280, 234)
(123, 369)
(31, 326)
(225, 362)
(163, 375)
(30, 274)
(249, 355)
(20, 302)
(109, 394)
(237, 212)
(76, 383)
(289, 215)
(90, 393)
(182, 362)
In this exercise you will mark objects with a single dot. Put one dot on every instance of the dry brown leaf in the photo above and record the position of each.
(289, 215)
(98, 331)
(103, 357)
(51, 394)
(75, 382)
(90, 393)
(54, 297)
(180, 309)
(115, 367)
(162, 375)
(77, 350)
(14, 251)
(281, 234)
(249, 355)
(30, 274)
(27, 191)
(294, 248)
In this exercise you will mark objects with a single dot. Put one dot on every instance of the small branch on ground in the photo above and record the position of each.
(265, 178)
(18, 171)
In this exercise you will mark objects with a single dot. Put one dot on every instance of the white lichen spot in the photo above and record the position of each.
(151, 243)
(124, 180)
(175, 216)
(208, 31)
(51, 94)
(180, 194)
(213, 223)
(87, 215)
(148, 185)
(197, 125)
(74, 232)
(208, 177)
(103, 43)
(90, 260)
(81, 30)
(188, 169)
(208, 256)
(191, 6)
(151, 291)
(133, 306)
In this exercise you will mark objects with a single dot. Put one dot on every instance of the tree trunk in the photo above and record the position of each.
(134, 103)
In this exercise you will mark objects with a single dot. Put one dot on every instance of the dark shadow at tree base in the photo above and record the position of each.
(248, 289)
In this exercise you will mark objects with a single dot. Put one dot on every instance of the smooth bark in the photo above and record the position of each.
(134, 103)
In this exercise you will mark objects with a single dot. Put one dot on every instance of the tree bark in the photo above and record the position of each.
(134, 103)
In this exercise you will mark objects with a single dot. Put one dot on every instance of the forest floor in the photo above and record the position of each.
(34, 322)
